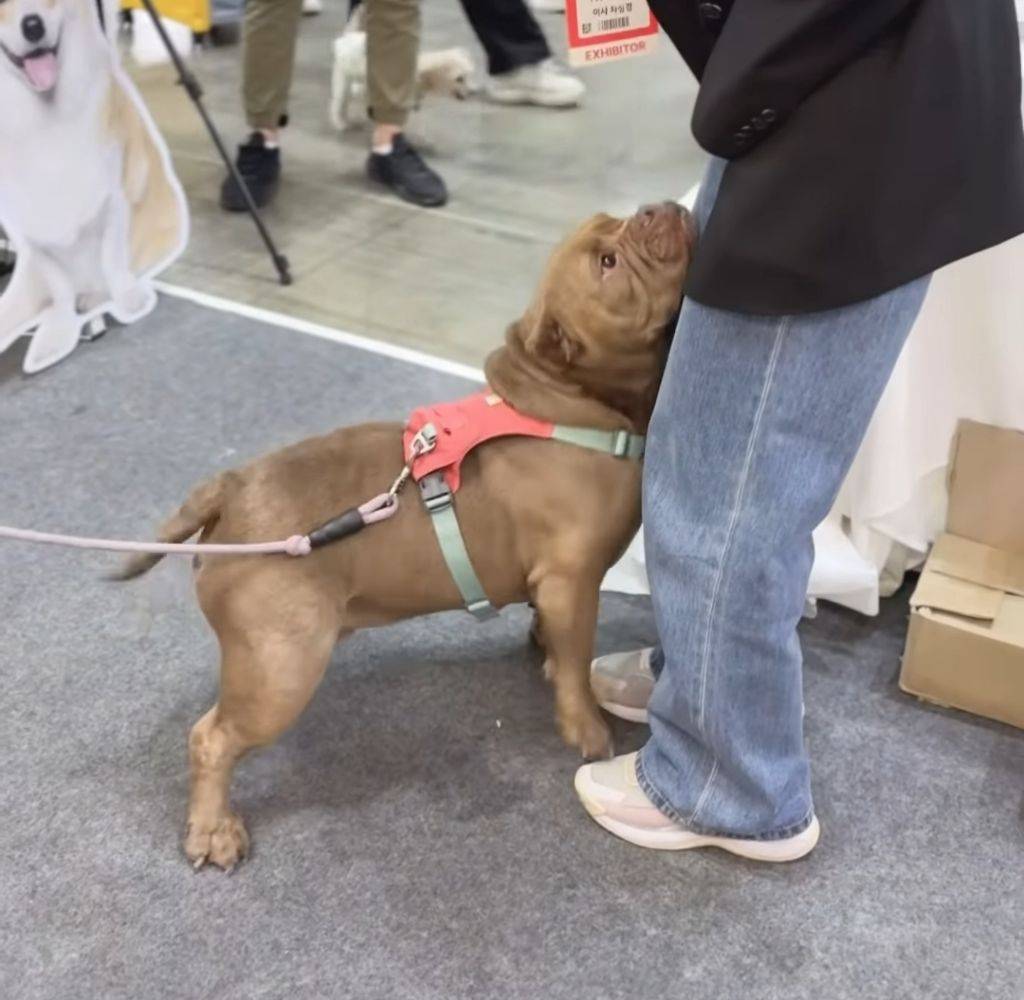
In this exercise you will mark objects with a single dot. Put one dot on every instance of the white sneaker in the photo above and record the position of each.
(545, 83)
(622, 683)
(310, 7)
(610, 792)
(548, 6)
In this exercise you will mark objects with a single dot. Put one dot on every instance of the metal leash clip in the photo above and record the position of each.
(424, 442)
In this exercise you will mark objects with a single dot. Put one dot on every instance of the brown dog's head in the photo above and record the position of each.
(601, 314)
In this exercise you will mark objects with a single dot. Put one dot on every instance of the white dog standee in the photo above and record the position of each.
(87, 192)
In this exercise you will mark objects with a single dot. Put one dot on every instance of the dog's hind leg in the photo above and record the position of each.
(131, 297)
(274, 651)
(338, 107)
(567, 617)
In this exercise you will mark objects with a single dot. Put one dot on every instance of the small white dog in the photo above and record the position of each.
(87, 193)
(447, 71)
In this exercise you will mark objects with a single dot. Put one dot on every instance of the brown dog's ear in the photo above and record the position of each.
(547, 339)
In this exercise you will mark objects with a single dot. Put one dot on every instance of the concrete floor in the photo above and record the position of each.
(447, 281)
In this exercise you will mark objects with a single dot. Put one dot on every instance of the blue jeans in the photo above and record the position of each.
(757, 422)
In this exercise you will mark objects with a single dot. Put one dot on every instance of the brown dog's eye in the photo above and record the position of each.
(608, 261)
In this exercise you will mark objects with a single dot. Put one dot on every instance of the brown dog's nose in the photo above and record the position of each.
(646, 214)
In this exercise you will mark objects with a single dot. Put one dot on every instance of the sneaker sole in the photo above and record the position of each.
(627, 712)
(770, 851)
(512, 97)
(234, 202)
(406, 195)
(631, 714)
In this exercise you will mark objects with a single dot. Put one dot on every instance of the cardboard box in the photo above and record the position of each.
(965, 647)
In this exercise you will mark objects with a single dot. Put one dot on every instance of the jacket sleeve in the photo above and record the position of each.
(771, 55)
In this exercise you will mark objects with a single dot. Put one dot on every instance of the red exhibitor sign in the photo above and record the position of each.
(603, 30)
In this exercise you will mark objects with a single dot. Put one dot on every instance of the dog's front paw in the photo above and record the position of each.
(589, 733)
(223, 842)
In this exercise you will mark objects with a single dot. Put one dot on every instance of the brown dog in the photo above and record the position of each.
(543, 520)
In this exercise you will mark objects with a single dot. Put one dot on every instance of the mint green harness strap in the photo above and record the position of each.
(437, 497)
(621, 444)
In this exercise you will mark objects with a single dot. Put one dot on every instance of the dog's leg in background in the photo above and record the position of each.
(567, 617)
(131, 297)
(274, 653)
(339, 88)
(59, 327)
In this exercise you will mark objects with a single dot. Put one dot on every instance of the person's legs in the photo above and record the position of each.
(392, 45)
(509, 33)
(520, 67)
(757, 422)
(392, 49)
(269, 34)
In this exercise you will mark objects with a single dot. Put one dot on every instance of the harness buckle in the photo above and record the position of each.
(424, 441)
(620, 443)
(435, 492)
(482, 610)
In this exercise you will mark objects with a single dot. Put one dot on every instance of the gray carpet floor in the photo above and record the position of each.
(416, 835)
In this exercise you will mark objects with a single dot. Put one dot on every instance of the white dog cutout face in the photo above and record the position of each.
(88, 197)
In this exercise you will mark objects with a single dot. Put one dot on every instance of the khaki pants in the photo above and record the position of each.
(392, 43)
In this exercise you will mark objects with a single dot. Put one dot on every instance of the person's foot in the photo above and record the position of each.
(611, 794)
(312, 7)
(260, 169)
(545, 83)
(404, 171)
(622, 683)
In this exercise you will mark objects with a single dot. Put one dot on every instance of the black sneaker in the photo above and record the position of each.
(260, 169)
(404, 171)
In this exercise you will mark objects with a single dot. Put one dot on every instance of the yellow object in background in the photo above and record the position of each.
(194, 14)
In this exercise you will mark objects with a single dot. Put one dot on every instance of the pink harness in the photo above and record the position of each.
(460, 427)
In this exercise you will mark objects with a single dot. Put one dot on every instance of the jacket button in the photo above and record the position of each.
(769, 116)
(710, 12)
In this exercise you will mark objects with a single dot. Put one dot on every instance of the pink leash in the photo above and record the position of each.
(380, 508)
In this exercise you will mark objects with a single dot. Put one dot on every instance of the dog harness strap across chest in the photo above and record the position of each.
(438, 438)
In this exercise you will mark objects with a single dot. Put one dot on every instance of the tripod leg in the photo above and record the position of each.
(195, 92)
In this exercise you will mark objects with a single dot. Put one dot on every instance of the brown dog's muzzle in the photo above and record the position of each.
(665, 230)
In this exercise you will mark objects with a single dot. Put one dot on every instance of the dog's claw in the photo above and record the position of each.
(222, 842)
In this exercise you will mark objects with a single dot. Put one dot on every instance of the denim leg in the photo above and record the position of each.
(757, 422)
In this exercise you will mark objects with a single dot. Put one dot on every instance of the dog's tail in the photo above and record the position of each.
(200, 510)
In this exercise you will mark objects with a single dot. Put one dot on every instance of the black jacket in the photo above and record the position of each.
(871, 142)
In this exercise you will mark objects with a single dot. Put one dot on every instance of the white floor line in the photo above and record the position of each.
(472, 221)
(356, 340)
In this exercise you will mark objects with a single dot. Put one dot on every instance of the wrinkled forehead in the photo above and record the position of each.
(585, 239)
(595, 229)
